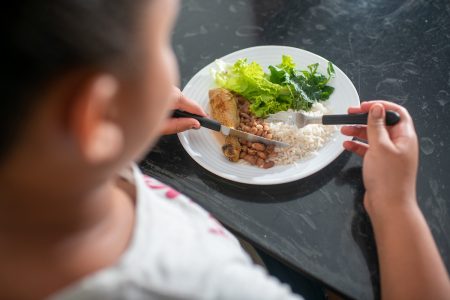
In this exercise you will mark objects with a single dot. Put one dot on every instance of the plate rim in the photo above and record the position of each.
(275, 181)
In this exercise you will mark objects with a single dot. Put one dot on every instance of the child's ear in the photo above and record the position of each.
(99, 137)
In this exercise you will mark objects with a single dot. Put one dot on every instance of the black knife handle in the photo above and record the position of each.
(392, 118)
(204, 122)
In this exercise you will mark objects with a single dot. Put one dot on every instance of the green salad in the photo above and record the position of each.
(283, 88)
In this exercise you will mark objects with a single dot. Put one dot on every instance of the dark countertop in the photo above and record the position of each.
(390, 49)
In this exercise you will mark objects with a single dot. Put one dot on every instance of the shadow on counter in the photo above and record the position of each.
(361, 227)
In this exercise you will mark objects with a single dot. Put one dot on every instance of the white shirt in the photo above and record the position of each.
(178, 251)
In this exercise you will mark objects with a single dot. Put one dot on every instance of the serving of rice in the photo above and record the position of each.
(304, 142)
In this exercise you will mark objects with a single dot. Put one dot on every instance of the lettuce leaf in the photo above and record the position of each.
(281, 89)
(250, 81)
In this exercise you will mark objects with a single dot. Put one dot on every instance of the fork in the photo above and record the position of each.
(301, 119)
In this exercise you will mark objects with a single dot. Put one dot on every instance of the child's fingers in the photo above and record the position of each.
(175, 125)
(405, 128)
(356, 131)
(354, 110)
(376, 127)
(189, 105)
(356, 147)
(365, 106)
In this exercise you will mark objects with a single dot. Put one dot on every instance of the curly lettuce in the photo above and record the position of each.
(282, 89)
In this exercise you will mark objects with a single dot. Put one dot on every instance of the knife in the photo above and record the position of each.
(216, 126)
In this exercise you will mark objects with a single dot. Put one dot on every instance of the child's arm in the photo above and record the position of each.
(410, 264)
(175, 125)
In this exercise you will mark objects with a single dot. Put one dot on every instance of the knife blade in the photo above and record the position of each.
(216, 126)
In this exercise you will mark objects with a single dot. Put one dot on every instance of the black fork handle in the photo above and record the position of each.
(392, 118)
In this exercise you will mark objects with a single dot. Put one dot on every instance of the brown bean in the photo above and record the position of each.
(251, 151)
(261, 155)
(258, 146)
(253, 130)
(242, 154)
(259, 126)
(244, 115)
(266, 127)
(260, 162)
(273, 154)
(269, 136)
(259, 132)
(268, 164)
(270, 148)
(246, 128)
(251, 159)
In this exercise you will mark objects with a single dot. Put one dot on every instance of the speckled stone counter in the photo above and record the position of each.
(395, 50)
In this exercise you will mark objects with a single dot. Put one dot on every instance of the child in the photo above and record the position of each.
(86, 88)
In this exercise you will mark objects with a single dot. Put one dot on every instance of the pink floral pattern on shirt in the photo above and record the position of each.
(215, 227)
(170, 193)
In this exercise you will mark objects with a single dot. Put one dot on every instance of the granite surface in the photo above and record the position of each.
(390, 49)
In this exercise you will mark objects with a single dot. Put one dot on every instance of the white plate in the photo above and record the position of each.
(205, 149)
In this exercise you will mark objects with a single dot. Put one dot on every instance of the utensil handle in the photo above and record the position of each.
(204, 122)
(392, 118)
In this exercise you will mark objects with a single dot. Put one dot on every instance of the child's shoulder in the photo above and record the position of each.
(175, 245)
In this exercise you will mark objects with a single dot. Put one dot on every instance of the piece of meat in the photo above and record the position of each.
(232, 148)
(224, 107)
(224, 110)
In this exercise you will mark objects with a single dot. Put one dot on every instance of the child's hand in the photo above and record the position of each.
(390, 157)
(175, 125)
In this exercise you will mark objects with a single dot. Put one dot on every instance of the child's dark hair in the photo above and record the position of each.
(41, 40)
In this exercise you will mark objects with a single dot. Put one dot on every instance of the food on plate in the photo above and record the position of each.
(254, 153)
(224, 110)
(232, 148)
(246, 95)
(304, 142)
(224, 107)
(283, 88)
(232, 111)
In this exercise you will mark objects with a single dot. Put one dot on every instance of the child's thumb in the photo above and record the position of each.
(376, 127)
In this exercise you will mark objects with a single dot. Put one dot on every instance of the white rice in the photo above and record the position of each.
(304, 142)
